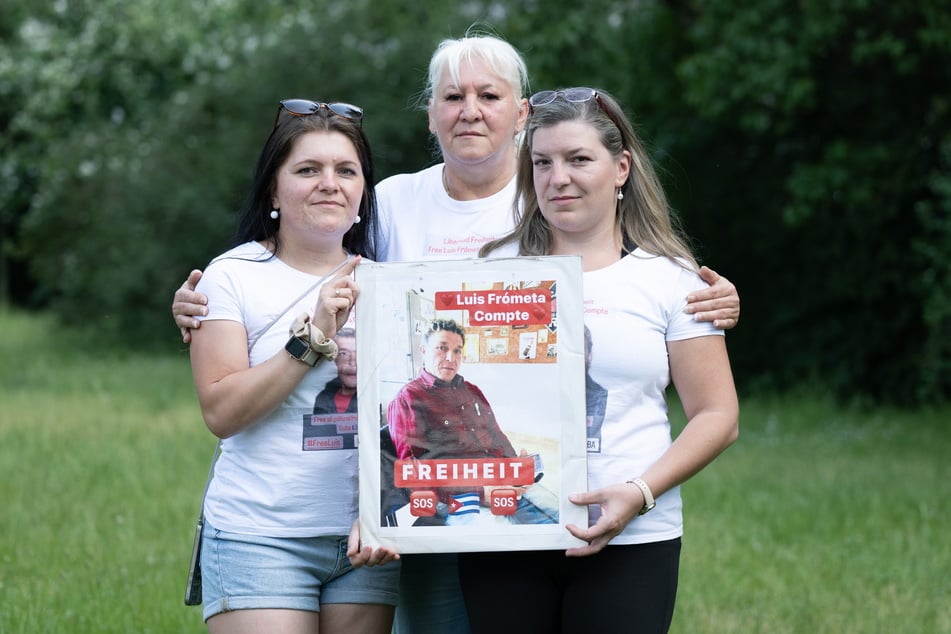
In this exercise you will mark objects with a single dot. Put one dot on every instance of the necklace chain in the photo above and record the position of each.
(445, 181)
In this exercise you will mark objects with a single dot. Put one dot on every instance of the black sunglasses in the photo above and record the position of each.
(305, 107)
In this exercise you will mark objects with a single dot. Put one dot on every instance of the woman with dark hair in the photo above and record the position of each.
(278, 511)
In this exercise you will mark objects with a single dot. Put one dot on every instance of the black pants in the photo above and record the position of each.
(628, 589)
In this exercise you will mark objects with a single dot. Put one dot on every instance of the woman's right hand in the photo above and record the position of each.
(336, 299)
(187, 304)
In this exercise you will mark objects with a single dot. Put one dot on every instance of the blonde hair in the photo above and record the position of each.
(643, 216)
(502, 58)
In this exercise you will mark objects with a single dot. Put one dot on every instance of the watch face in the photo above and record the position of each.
(296, 347)
(299, 349)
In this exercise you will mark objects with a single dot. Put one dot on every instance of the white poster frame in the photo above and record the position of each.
(537, 396)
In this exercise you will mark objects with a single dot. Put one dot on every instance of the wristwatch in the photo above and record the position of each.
(307, 343)
(649, 502)
(300, 349)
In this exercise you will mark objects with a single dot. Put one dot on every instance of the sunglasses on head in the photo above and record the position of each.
(306, 107)
(574, 95)
(580, 94)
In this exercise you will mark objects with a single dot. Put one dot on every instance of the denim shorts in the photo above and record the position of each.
(242, 572)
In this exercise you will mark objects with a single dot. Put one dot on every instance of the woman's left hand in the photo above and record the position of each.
(366, 556)
(620, 503)
(718, 303)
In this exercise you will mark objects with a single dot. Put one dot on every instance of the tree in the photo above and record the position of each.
(806, 147)
(826, 160)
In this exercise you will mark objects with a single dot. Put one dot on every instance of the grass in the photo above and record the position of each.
(820, 518)
(102, 462)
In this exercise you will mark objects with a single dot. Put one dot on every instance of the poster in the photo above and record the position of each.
(472, 409)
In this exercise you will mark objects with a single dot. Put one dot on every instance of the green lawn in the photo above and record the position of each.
(102, 463)
(819, 519)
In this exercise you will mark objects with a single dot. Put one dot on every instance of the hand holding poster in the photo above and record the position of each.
(472, 409)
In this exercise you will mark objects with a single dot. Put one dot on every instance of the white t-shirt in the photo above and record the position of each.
(633, 308)
(420, 221)
(285, 475)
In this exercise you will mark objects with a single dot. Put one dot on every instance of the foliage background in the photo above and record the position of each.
(806, 146)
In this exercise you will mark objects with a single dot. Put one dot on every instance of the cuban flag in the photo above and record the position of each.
(464, 504)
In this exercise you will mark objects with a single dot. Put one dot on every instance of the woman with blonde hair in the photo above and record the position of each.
(587, 188)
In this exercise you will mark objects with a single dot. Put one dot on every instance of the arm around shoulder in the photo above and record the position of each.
(187, 304)
(718, 303)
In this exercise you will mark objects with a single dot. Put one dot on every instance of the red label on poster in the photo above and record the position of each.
(464, 473)
(422, 503)
(503, 501)
(522, 307)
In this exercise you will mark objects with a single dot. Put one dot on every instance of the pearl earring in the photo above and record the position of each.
(356, 220)
(275, 213)
(620, 195)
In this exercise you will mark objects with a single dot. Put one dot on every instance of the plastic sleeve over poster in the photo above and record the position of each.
(471, 413)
